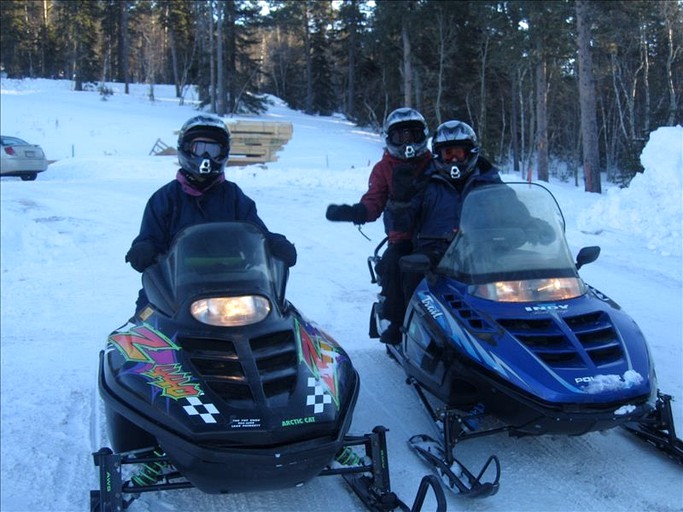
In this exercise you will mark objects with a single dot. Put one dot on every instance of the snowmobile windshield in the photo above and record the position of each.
(510, 246)
(222, 260)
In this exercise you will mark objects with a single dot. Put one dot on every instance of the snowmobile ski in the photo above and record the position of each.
(373, 488)
(454, 475)
(658, 429)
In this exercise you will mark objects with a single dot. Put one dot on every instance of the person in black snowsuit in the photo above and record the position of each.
(200, 193)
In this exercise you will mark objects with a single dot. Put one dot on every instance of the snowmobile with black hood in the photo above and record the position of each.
(502, 330)
(220, 383)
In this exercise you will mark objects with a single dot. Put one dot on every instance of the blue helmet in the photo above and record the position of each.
(203, 147)
(405, 133)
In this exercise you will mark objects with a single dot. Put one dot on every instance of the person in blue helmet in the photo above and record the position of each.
(199, 193)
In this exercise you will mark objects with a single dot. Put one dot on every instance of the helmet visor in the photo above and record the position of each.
(406, 135)
(206, 148)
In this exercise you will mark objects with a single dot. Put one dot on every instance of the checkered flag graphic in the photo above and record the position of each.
(319, 398)
(205, 411)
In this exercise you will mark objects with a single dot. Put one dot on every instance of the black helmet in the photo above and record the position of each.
(405, 133)
(455, 134)
(207, 157)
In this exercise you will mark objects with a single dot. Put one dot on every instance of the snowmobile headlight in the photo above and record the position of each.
(531, 290)
(231, 311)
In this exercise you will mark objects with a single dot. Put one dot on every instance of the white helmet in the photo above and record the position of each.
(405, 133)
(459, 135)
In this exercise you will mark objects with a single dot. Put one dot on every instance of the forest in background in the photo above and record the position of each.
(565, 88)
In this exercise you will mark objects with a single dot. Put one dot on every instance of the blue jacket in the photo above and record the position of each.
(170, 209)
(435, 212)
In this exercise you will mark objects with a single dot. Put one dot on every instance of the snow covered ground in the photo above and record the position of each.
(65, 286)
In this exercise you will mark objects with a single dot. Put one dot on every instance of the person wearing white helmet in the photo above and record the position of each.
(199, 193)
(395, 177)
(457, 168)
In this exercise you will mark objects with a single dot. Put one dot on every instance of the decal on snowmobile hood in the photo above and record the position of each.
(547, 307)
(430, 304)
(157, 357)
(321, 359)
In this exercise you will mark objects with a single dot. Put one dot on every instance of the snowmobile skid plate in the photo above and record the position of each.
(455, 476)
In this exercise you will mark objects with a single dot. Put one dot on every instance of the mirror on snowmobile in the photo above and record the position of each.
(417, 263)
(587, 255)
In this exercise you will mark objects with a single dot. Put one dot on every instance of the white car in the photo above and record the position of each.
(19, 158)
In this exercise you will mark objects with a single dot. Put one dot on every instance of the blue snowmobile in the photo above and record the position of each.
(502, 326)
(221, 384)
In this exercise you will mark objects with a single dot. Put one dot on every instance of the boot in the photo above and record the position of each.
(392, 335)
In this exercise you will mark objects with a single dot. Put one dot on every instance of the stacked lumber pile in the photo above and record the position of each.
(257, 141)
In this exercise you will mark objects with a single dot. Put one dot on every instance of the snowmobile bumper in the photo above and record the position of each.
(221, 468)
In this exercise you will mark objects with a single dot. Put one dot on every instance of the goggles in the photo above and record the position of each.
(406, 135)
(457, 154)
(210, 148)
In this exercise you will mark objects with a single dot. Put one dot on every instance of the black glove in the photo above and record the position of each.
(356, 213)
(142, 255)
(282, 249)
(540, 232)
(404, 185)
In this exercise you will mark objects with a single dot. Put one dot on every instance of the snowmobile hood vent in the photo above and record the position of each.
(464, 312)
(224, 369)
(569, 342)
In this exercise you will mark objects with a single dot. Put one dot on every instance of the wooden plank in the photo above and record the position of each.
(283, 130)
(250, 141)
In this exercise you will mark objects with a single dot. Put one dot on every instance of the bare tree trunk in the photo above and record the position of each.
(351, 93)
(174, 59)
(531, 135)
(515, 119)
(231, 69)
(589, 127)
(43, 36)
(220, 66)
(351, 73)
(542, 115)
(669, 11)
(522, 120)
(309, 64)
(482, 129)
(617, 96)
(646, 80)
(446, 33)
(407, 66)
(503, 128)
(440, 25)
(212, 61)
(124, 51)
